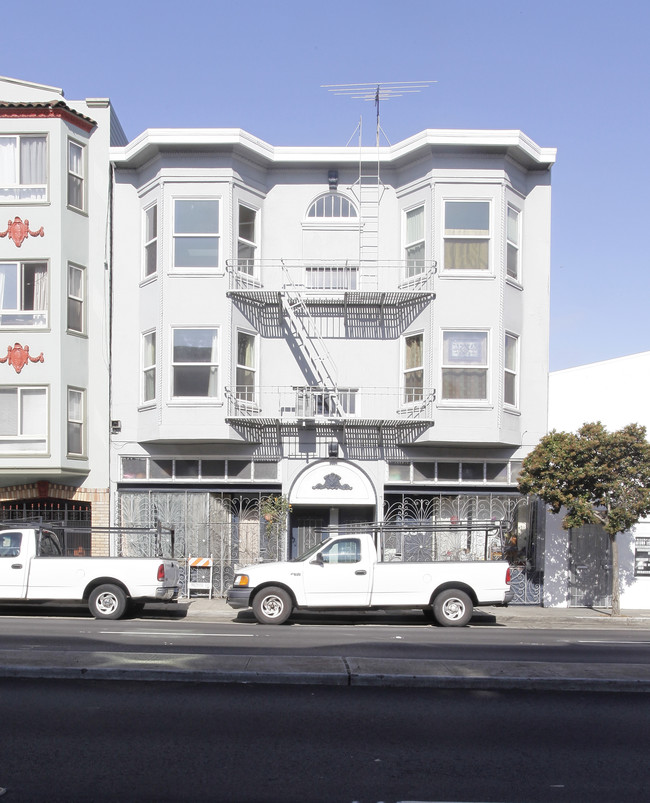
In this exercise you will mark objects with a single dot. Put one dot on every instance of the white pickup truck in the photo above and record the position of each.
(358, 572)
(34, 568)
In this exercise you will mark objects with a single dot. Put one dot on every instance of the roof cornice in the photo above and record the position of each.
(178, 140)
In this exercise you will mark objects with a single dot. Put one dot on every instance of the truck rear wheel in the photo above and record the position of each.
(107, 602)
(452, 608)
(272, 606)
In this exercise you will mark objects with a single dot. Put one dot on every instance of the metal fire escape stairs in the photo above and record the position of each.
(305, 332)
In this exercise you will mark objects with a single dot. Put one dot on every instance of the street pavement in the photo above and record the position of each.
(348, 670)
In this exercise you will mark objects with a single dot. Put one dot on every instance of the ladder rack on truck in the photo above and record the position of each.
(417, 542)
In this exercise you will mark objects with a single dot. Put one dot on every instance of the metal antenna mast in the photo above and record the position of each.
(377, 92)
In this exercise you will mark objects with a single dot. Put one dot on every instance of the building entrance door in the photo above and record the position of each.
(590, 567)
(306, 521)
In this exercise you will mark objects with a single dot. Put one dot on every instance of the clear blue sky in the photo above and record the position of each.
(571, 74)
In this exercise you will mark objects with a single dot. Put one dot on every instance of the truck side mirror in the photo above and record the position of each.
(318, 560)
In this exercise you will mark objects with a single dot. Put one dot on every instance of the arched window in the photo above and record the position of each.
(332, 205)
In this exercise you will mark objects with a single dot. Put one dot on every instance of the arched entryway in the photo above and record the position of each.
(325, 494)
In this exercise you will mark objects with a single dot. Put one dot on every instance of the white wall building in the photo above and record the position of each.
(54, 302)
(363, 330)
(578, 562)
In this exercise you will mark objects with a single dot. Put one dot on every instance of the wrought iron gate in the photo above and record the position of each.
(590, 567)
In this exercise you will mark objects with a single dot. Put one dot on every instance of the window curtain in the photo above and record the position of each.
(7, 166)
(33, 166)
(40, 287)
(213, 386)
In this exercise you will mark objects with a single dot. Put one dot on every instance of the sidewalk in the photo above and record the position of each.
(349, 670)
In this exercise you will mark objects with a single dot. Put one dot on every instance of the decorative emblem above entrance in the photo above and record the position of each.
(18, 356)
(332, 482)
(18, 230)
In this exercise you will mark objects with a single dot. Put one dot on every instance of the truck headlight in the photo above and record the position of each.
(241, 580)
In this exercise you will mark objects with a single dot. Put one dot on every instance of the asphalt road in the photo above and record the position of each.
(112, 741)
(405, 637)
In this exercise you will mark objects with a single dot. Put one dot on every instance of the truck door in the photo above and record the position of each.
(14, 563)
(339, 576)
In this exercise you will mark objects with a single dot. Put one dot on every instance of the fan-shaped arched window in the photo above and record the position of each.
(332, 205)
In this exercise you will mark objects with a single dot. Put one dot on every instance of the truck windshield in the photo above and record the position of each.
(311, 551)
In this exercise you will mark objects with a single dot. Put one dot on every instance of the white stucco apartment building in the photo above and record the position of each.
(363, 331)
(54, 303)
(578, 563)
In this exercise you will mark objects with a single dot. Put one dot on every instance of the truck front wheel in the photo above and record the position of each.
(272, 606)
(107, 602)
(452, 608)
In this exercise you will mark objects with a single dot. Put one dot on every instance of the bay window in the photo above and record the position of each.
(510, 370)
(413, 361)
(76, 415)
(23, 168)
(148, 367)
(151, 240)
(76, 293)
(414, 249)
(23, 294)
(195, 363)
(246, 240)
(246, 367)
(23, 420)
(464, 366)
(467, 235)
(196, 233)
(76, 176)
(512, 243)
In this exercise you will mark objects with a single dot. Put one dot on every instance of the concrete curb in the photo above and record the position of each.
(329, 671)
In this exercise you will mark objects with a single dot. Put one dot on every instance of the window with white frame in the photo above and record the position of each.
(23, 294)
(23, 168)
(195, 363)
(148, 367)
(76, 295)
(467, 235)
(23, 420)
(510, 371)
(332, 205)
(246, 240)
(76, 415)
(413, 374)
(246, 367)
(196, 233)
(512, 243)
(414, 248)
(150, 240)
(464, 366)
(76, 175)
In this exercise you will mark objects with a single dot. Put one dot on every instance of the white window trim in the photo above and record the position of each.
(17, 186)
(467, 403)
(514, 280)
(145, 367)
(323, 220)
(81, 299)
(255, 243)
(82, 176)
(200, 271)
(403, 369)
(406, 245)
(145, 243)
(255, 369)
(180, 401)
(81, 421)
(45, 436)
(460, 273)
(20, 263)
(515, 372)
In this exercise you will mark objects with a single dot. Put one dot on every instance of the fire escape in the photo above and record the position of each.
(291, 299)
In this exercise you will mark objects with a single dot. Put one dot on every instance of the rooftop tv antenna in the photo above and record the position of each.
(378, 91)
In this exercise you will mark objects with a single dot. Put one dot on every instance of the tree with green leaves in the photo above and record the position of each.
(597, 477)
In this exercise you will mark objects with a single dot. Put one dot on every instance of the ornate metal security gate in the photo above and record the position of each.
(590, 567)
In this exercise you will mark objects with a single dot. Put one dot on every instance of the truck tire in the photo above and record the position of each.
(107, 602)
(452, 608)
(272, 606)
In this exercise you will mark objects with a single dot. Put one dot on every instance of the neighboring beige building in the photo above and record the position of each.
(578, 563)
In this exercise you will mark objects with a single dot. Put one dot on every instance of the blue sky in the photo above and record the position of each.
(571, 75)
